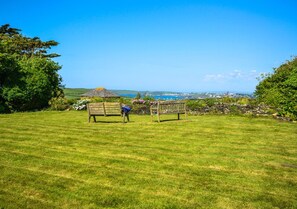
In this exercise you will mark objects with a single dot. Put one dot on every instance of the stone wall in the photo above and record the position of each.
(221, 109)
(235, 109)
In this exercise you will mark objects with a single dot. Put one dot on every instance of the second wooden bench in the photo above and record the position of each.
(106, 109)
(174, 107)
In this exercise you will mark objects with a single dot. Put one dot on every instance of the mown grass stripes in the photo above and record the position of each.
(59, 160)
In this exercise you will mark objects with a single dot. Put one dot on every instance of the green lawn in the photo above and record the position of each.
(59, 160)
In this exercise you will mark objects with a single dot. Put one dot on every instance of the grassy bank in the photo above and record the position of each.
(59, 160)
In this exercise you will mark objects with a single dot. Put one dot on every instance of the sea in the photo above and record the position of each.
(158, 97)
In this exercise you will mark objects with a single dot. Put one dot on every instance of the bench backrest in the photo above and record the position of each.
(96, 108)
(104, 108)
(169, 107)
(172, 107)
(113, 108)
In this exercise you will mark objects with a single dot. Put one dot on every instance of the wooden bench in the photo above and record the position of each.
(168, 108)
(106, 109)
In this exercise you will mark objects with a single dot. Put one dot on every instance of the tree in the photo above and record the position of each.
(28, 76)
(279, 89)
(13, 42)
(10, 79)
(138, 96)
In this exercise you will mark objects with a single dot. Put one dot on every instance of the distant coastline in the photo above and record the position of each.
(73, 93)
(158, 97)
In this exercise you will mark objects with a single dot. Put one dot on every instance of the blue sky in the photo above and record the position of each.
(184, 45)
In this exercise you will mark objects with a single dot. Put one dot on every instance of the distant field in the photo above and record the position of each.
(59, 160)
(74, 93)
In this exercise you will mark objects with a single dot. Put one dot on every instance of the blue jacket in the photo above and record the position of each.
(126, 109)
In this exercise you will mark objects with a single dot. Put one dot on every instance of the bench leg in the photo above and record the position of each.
(178, 116)
(151, 111)
(158, 117)
(124, 117)
(94, 118)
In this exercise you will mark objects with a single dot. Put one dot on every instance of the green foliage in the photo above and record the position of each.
(28, 77)
(196, 104)
(126, 101)
(138, 95)
(60, 103)
(38, 83)
(211, 101)
(10, 71)
(228, 99)
(234, 110)
(244, 101)
(148, 98)
(279, 89)
(95, 99)
(13, 42)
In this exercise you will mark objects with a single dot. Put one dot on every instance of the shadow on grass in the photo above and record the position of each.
(104, 121)
(171, 120)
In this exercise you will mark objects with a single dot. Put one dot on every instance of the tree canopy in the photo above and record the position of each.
(28, 76)
(279, 89)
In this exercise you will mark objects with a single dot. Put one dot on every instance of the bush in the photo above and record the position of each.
(148, 98)
(243, 101)
(211, 101)
(94, 99)
(4, 108)
(227, 99)
(70, 102)
(59, 103)
(279, 89)
(234, 110)
(195, 104)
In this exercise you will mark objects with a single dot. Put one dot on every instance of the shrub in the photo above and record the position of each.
(227, 99)
(4, 108)
(234, 110)
(148, 98)
(59, 103)
(70, 102)
(243, 101)
(210, 101)
(196, 104)
(279, 89)
(94, 99)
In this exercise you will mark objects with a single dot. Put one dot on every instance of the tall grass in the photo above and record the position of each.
(59, 160)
